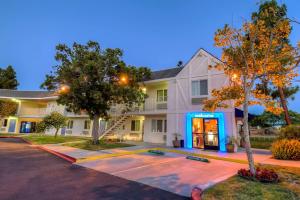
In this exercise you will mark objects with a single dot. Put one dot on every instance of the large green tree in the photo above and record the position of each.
(253, 54)
(91, 79)
(8, 78)
(276, 14)
(8, 108)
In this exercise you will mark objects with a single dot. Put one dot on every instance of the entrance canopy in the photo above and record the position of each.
(206, 115)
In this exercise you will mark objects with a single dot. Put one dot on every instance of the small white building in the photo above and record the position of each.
(173, 107)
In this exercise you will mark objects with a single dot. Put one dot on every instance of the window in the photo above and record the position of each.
(70, 124)
(87, 124)
(135, 125)
(4, 123)
(158, 126)
(162, 95)
(199, 88)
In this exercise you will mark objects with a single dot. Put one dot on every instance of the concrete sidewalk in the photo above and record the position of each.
(261, 156)
(81, 153)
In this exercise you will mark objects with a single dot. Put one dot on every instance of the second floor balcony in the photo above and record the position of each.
(151, 105)
(32, 112)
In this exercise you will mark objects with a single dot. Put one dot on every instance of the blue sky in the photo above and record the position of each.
(152, 33)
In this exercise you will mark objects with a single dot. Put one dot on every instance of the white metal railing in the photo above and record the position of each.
(32, 112)
(150, 105)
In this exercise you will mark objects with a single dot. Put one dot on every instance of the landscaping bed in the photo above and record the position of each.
(87, 145)
(262, 142)
(237, 187)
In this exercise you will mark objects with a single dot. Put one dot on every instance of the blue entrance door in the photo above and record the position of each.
(12, 125)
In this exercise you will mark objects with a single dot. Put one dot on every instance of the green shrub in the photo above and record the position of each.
(286, 149)
(40, 127)
(290, 132)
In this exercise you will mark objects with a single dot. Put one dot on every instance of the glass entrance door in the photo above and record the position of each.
(198, 133)
(211, 137)
(205, 133)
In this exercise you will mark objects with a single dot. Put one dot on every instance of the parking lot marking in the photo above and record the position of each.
(147, 165)
(103, 156)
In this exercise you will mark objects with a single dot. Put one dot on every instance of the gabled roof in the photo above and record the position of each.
(172, 72)
(165, 73)
(18, 94)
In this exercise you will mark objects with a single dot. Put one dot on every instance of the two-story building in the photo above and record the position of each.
(173, 107)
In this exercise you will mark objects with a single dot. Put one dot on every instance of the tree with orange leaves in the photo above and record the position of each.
(253, 54)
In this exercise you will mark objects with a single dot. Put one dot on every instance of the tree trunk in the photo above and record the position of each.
(246, 136)
(56, 131)
(95, 130)
(284, 106)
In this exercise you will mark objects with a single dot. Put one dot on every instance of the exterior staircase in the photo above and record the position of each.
(110, 131)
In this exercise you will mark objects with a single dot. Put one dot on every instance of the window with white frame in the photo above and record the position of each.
(162, 95)
(159, 126)
(4, 123)
(70, 124)
(200, 87)
(135, 125)
(87, 124)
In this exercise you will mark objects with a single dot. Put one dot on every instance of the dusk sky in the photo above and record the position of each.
(152, 33)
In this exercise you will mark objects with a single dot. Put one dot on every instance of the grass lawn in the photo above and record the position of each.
(87, 145)
(240, 189)
(50, 139)
(262, 142)
(47, 139)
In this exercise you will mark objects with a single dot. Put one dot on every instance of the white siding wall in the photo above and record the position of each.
(179, 90)
(78, 127)
(150, 136)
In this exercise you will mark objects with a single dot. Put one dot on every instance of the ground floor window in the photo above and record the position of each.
(70, 124)
(27, 127)
(87, 124)
(159, 125)
(4, 123)
(135, 125)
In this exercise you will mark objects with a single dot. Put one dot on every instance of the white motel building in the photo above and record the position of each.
(173, 106)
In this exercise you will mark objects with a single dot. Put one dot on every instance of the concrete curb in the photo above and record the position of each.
(61, 155)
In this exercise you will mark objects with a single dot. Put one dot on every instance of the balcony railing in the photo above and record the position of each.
(150, 105)
(32, 112)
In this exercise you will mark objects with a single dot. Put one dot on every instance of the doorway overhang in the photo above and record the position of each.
(208, 115)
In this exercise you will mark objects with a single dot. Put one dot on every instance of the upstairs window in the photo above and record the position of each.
(135, 125)
(162, 95)
(70, 124)
(199, 88)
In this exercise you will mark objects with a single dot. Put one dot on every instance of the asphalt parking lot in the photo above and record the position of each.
(171, 172)
(27, 173)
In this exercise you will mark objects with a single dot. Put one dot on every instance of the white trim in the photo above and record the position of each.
(28, 98)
